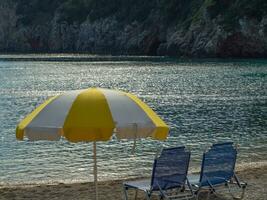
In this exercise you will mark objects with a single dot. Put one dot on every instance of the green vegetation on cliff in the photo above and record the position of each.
(199, 28)
(172, 11)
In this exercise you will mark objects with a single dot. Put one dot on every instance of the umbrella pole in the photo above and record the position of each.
(95, 172)
(135, 135)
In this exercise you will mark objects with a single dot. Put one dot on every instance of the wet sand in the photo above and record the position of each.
(255, 176)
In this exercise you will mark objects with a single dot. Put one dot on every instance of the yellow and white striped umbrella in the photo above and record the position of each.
(92, 115)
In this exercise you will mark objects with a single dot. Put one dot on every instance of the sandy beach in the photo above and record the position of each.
(255, 176)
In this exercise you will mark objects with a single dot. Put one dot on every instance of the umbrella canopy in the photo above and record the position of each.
(92, 114)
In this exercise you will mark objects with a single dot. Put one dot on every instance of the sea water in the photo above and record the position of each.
(203, 101)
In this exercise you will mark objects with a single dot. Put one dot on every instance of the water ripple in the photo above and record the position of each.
(203, 102)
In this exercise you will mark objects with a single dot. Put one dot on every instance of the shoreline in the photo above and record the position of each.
(87, 57)
(255, 175)
(192, 170)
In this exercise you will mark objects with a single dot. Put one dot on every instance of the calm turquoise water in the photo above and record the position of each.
(203, 102)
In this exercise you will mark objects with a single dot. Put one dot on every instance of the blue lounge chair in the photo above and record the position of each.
(169, 174)
(217, 169)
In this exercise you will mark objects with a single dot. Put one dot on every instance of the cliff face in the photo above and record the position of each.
(192, 28)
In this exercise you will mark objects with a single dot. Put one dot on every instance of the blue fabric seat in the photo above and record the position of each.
(217, 169)
(169, 172)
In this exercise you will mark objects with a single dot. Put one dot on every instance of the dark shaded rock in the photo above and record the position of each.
(34, 43)
(151, 43)
(238, 45)
(173, 50)
(162, 49)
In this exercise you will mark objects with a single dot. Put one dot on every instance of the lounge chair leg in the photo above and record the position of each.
(190, 188)
(242, 187)
(243, 191)
(125, 193)
(147, 196)
(197, 195)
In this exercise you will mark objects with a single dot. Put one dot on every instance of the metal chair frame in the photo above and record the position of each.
(212, 188)
(153, 187)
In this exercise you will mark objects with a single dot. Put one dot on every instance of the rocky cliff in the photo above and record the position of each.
(187, 28)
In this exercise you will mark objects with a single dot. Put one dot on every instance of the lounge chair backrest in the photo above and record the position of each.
(170, 168)
(218, 164)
